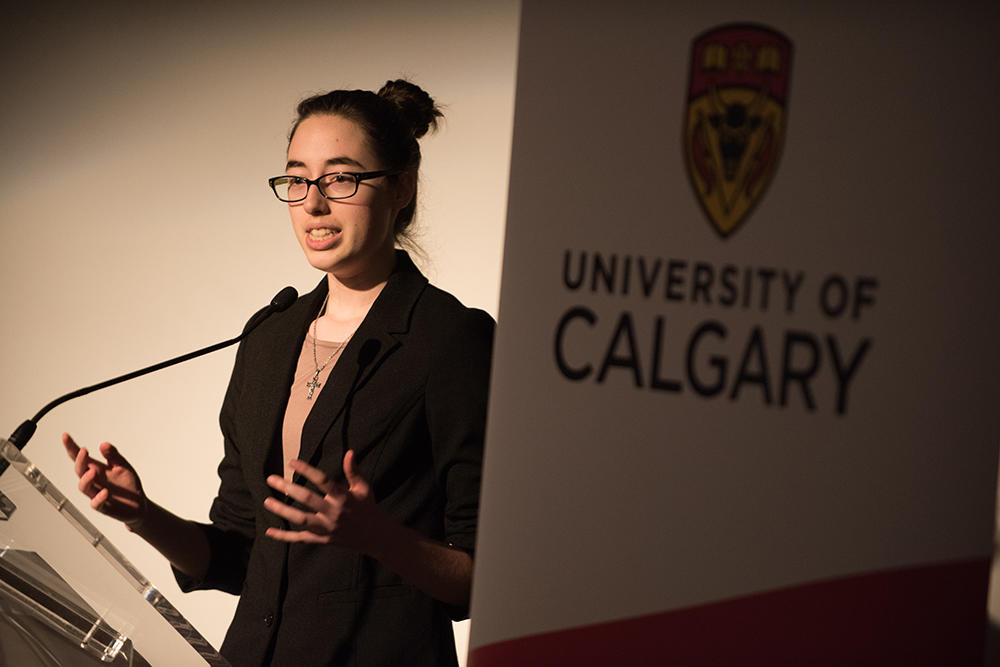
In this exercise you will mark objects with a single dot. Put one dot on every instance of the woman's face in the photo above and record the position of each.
(349, 238)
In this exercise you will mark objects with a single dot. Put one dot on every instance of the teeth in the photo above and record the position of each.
(323, 232)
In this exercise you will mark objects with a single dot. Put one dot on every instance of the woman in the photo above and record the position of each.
(353, 423)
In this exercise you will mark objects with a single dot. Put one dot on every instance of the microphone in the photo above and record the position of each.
(281, 301)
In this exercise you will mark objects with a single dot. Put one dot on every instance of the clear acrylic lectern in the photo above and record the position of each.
(68, 596)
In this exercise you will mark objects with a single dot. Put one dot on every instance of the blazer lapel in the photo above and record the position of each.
(380, 333)
(275, 371)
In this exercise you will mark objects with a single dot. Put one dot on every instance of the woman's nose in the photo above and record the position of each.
(315, 203)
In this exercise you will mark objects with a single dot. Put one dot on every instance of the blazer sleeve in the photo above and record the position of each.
(456, 401)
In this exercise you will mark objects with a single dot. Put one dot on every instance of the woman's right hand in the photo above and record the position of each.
(112, 486)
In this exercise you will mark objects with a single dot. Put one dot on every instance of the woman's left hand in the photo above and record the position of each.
(346, 517)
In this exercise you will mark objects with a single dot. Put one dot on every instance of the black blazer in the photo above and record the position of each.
(408, 395)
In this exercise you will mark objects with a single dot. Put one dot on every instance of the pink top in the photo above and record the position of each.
(298, 405)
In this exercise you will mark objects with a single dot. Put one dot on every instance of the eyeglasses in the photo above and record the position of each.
(335, 185)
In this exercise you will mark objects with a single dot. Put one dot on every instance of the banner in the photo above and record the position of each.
(745, 379)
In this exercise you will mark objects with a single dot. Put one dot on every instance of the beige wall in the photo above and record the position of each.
(136, 223)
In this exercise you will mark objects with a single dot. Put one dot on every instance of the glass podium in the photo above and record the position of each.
(68, 596)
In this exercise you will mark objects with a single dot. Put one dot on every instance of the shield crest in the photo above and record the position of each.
(737, 110)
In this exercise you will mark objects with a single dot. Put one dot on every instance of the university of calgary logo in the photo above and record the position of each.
(736, 116)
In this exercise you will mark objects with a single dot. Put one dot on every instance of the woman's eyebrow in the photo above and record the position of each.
(331, 162)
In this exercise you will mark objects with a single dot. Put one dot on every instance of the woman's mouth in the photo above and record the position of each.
(322, 238)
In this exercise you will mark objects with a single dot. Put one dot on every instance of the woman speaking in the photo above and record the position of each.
(353, 423)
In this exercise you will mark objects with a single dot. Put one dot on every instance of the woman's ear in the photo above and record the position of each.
(406, 188)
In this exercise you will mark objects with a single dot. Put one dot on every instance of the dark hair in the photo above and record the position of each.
(393, 119)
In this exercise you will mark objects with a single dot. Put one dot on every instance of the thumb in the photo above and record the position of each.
(354, 478)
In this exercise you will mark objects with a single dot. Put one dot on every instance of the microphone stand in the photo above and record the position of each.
(20, 437)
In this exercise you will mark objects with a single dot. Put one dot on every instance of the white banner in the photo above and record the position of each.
(745, 382)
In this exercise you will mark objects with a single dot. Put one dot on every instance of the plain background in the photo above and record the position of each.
(136, 223)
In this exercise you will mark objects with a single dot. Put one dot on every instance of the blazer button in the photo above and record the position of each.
(269, 620)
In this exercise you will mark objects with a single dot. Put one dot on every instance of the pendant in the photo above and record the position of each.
(313, 386)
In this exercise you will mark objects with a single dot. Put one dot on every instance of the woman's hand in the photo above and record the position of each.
(112, 486)
(349, 517)
(343, 516)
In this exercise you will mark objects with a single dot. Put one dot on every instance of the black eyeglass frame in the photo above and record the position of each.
(358, 176)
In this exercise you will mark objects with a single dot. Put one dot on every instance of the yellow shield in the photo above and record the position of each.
(736, 116)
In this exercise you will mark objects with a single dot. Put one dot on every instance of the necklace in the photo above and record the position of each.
(315, 383)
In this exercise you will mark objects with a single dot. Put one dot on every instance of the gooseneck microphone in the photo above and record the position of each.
(281, 301)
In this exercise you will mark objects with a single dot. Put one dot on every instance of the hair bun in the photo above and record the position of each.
(415, 106)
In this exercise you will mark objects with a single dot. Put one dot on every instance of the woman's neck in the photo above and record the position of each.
(345, 302)
(348, 302)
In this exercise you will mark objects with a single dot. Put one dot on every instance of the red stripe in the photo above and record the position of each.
(923, 616)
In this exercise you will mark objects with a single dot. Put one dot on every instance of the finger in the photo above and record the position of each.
(350, 472)
(287, 512)
(112, 456)
(86, 483)
(357, 483)
(97, 502)
(277, 482)
(316, 523)
(298, 493)
(314, 475)
(82, 462)
(71, 447)
(297, 536)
